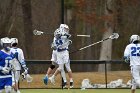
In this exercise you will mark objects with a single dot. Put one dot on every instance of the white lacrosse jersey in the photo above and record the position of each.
(19, 58)
(54, 58)
(133, 52)
(62, 43)
(54, 41)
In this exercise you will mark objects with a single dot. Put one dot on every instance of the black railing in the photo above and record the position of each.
(84, 66)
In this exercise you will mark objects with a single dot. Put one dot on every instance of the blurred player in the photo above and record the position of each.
(6, 58)
(61, 33)
(132, 55)
(18, 62)
(62, 43)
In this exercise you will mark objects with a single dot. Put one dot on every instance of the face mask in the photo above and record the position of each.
(7, 47)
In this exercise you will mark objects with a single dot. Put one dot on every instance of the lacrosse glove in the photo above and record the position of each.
(24, 73)
(126, 59)
(5, 70)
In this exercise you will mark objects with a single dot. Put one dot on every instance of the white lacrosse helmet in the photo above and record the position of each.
(6, 43)
(64, 27)
(134, 38)
(14, 40)
(57, 33)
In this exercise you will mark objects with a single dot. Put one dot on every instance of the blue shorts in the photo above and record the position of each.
(5, 82)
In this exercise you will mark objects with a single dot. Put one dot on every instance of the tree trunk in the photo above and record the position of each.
(27, 16)
(106, 47)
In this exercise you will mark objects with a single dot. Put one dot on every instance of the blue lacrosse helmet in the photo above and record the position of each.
(45, 80)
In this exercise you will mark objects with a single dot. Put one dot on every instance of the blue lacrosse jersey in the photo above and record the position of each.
(5, 61)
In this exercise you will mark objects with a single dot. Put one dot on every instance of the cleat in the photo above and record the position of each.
(52, 79)
(45, 80)
(64, 85)
(18, 91)
(71, 84)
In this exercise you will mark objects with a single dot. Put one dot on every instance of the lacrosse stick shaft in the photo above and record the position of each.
(113, 36)
(89, 45)
(83, 35)
(37, 32)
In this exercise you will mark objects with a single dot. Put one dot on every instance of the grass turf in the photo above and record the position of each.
(77, 91)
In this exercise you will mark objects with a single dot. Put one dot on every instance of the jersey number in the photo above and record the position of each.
(135, 51)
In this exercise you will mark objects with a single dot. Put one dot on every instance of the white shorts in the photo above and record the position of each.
(135, 71)
(54, 56)
(63, 57)
(15, 77)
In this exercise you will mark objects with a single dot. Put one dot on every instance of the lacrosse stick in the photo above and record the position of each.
(37, 32)
(113, 36)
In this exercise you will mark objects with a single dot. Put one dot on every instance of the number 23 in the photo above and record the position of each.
(134, 51)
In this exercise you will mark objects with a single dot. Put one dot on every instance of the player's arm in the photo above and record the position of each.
(4, 70)
(22, 61)
(127, 54)
(65, 44)
(53, 45)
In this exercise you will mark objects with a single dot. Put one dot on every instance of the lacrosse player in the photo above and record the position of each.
(18, 62)
(53, 59)
(62, 43)
(132, 55)
(6, 57)
(62, 33)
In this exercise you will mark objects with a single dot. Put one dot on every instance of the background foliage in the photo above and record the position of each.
(18, 18)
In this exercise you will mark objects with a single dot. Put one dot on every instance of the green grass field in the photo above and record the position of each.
(77, 91)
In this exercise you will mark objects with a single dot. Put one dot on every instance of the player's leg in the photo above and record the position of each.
(133, 90)
(8, 85)
(53, 65)
(0, 91)
(50, 69)
(61, 69)
(15, 80)
(1, 85)
(134, 86)
(8, 89)
(58, 70)
(58, 58)
(67, 65)
(52, 78)
(135, 73)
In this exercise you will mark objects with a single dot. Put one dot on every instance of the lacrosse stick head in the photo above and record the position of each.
(27, 77)
(37, 32)
(114, 36)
